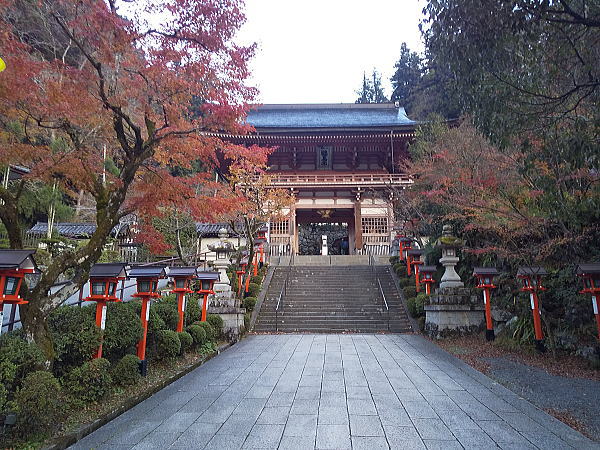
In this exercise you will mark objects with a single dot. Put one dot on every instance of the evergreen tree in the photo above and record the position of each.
(365, 93)
(371, 90)
(409, 71)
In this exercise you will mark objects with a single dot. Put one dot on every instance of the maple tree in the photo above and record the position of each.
(145, 84)
(256, 201)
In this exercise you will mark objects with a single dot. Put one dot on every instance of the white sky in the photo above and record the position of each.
(315, 51)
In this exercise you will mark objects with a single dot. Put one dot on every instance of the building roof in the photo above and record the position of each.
(329, 115)
(71, 229)
(208, 275)
(533, 270)
(592, 268)
(205, 229)
(108, 270)
(485, 271)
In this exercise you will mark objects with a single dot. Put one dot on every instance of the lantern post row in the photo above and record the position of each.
(590, 274)
(104, 278)
(485, 281)
(405, 246)
(414, 261)
(147, 289)
(182, 277)
(14, 265)
(531, 277)
(207, 282)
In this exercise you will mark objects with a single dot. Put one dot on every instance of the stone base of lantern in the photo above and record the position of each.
(454, 311)
(233, 320)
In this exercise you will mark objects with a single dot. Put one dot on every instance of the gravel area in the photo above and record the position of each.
(579, 397)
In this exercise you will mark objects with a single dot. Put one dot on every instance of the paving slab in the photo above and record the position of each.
(332, 392)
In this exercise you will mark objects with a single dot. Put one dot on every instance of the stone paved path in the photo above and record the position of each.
(335, 392)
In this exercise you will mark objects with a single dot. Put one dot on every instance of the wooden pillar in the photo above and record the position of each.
(358, 242)
(293, 230)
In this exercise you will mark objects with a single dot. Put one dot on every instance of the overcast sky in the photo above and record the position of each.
(315, 51)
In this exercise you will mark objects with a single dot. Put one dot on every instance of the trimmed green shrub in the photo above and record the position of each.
(186, 341)
(406, 281)
(3, 396)
(216, 322)
(400, 269)
(247, 318)
(208, 329)
(249, 303)
(38, 402)
(90, 381)
(198, 335)
(123, 331)
(193, 308)
(253, 289)
(17, 359)
(257, 279)
(421, 323)
(394, 260)
(127, 371)
(411, 306)
(420, 302)
(75, 336)
(409, 291)
(168, 344)
(166, 308)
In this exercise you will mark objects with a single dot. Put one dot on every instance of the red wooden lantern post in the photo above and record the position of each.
(14, 264)
(104, 279)
(590, 274)
(182, 277)
(531, 278)
(207, 282)
(405, 245)
(261, 240)
(485, 280)
(426, 274)
(147, 289)
(414, 256)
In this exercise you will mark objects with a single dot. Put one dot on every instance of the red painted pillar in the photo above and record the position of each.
(537, 320)
(417, 282)
(141, 347)
(100, 323)
(596, 313)
(180, 310)
(204, 304)
(487, 296)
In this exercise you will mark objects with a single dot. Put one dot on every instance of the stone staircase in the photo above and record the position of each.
(332, 299)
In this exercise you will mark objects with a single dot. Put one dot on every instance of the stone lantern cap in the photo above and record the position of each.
(447, 239)
(188, 272)
(18, 259)
(482, 271)
(526, 271)
(427, 269)
(589, 269)
(108, 270)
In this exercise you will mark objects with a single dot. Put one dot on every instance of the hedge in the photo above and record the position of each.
(18, 358)
(198, 335)
(89, 382)
(123, 331)
(186, 341)
(127, 371)
(216, 322)
(168, 344)
(38, 402)
(249, 303)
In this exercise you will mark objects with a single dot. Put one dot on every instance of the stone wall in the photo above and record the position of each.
(454, 312)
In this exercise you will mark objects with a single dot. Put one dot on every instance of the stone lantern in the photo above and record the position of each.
(14, 265)
(103, 288)
(449, 245)
(590, 274)
(485, 280)
(182, 277)
(223, 249)
(531, 277)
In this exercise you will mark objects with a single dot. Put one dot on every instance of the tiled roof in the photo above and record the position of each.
(342, 115)
(212, 229)
(69, 229)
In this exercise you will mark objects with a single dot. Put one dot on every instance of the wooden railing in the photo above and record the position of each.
(341, 179)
